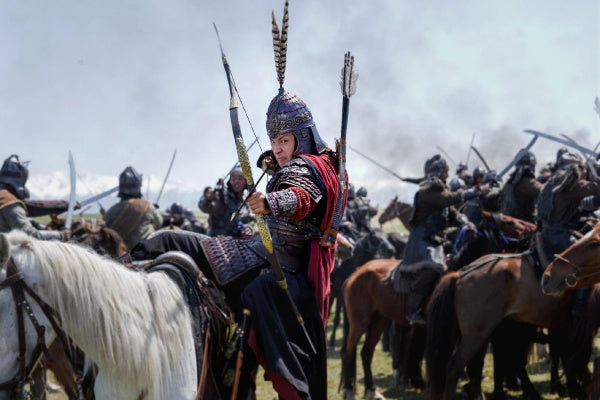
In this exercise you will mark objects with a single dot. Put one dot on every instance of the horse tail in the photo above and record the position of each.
(441, 333)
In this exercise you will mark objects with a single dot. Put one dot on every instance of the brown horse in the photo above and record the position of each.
(396, 209)
(370, 300)
(467, 306)
(578, 266)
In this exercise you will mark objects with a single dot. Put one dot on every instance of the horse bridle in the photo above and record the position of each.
(15, 281)
(572, 279)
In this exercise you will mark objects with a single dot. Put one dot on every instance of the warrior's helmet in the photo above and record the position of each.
(566, 159)
(14, 173)
(435, 166)
(287, 112)
(130, 183)
(176, 208)
(362, 192)
(527, 160)
(478, 172)
(351, 192)
(461, 167)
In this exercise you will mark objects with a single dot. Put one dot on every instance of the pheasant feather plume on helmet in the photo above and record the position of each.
(287, 112)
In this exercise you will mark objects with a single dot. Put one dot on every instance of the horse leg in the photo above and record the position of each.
(372, 337)
(336, 319)
(38, 384)
(475, 374)
(352, 334)
(554, 343)
(399, 346)
(468, 346)
(415, 351)
(62, 368)
(386, 338)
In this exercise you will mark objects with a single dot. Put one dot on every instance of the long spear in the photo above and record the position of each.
(386, 169)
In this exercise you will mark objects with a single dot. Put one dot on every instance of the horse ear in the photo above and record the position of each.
(4, 250)
(105, 234)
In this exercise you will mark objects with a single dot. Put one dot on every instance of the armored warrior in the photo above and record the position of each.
(559, 212)
(358, 213)
(179, 216)
(13, 198)
(472, 208)
(222, 202)
(521, 191)
(299, 207)
(433, 211)
(134, 218)
(462, 179)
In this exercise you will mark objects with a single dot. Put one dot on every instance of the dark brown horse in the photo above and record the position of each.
(396, 209)
(578, 266)
(370, 300)
(467, 306)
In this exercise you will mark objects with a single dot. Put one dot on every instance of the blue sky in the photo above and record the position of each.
(126, 82)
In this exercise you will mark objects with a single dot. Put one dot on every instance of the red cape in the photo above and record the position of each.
(322, 259)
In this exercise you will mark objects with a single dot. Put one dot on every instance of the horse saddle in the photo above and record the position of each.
(401, 278)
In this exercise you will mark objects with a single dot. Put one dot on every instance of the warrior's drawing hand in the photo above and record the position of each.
(258, 203)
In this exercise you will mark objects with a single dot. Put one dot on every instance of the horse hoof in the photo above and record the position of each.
(372, 394)
(348, 394)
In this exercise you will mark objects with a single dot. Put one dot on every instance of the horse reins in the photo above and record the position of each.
(15, 281)
(572, 279)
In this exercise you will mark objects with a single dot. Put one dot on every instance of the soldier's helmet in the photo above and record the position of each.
(461, 167)
(288, 113)
(435, 166)
(362, 192)
(478, 172)
(527, 160)
(491, 177)
(566, 159)
(14, 173)
(176, 208)
(130, 183)
(351, 192)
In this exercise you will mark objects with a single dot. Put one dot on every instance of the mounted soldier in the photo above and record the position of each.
(433, 211)
(359, 213)
(134, 218)
(521, 191)
(300, 207)
(559, 211)
(472, 207)
(222, 202)
(179, 216)
(13, 198)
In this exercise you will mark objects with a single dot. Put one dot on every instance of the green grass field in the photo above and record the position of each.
(382, 371)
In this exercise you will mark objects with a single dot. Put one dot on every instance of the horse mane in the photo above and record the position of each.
(130, 323)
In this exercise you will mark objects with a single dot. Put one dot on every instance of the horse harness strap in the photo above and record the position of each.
(19, 287)
(493, 258)
(572, 279)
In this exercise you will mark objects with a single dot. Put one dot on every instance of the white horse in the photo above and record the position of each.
(136, 327)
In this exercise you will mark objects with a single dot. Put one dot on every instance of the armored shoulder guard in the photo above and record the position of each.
(432, 183)
(297, 173)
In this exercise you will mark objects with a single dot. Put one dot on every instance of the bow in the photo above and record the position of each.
(263, 229)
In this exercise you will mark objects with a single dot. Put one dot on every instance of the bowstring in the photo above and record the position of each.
(245, 112)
